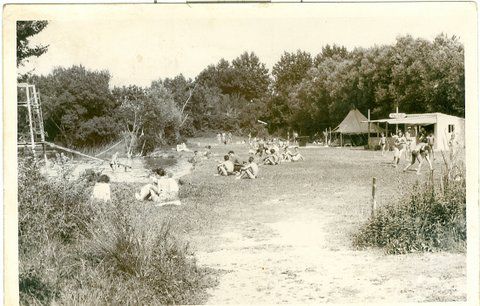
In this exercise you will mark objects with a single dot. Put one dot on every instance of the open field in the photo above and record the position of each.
(286, 237)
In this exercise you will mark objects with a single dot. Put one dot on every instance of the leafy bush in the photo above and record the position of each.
(431, 218)
(52, 212)
(76, 251)
(138, 258)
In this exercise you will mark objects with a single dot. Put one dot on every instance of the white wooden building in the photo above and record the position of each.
(441, 125)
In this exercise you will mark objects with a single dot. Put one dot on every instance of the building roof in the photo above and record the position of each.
(356, 123)
(427, 118)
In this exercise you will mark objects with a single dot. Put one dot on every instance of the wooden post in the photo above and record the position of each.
(368, 141)
(341, 140)
(396, 124)
(330, 136)
(374, 201)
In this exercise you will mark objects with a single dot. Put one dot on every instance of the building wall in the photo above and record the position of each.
(442, 134)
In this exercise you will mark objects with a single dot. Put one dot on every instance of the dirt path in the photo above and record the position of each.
(293, 246)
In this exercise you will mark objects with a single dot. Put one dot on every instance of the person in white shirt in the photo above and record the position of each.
(101, 191)
(162, 189)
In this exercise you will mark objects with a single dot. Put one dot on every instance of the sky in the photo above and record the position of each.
(142, 43)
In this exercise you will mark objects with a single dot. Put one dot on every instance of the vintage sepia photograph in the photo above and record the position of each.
(241, 153)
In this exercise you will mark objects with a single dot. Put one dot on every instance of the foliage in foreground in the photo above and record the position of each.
(75, 251)
(431, 218)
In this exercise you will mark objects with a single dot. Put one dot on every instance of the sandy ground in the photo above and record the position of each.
(289, 239)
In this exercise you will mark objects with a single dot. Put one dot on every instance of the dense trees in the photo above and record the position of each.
(304, 93)
(416, 75)
(77, 106)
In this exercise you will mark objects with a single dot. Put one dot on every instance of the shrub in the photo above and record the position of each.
(76, 251)
(431, 218)
(52, 212)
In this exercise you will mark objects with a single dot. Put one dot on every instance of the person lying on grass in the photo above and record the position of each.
(271, 159)
(249, 170)
(420, 153)
(162, 188)
(295, 155)
(226, 167)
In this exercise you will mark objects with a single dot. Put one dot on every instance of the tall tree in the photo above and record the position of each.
(25, 30)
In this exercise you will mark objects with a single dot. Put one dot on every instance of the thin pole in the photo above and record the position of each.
(30, 123)
(368, 128)
(374, 201)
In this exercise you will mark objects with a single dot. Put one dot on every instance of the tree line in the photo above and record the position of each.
(303, 92)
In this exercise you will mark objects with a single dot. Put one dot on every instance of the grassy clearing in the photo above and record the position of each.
(74, 251)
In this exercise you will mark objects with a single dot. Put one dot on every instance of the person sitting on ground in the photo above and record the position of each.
(296, 156)
(286, 155)
(101, 190)
(271, 159)
(237, 164)
(163, 189)
(421, 152)
(225, 168)
(208, 152)
(249, 170)
(194, 159)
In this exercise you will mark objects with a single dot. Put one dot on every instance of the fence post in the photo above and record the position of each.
(374, 201)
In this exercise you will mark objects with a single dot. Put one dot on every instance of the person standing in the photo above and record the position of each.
(383, 143)
(402, 145)
(431, 143)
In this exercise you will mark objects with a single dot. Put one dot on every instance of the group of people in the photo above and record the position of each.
(224, 138)
(405, 144)
(231, 165)
(163, 188)
(264, 152)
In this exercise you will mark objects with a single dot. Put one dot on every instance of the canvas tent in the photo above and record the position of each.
(355, 123)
